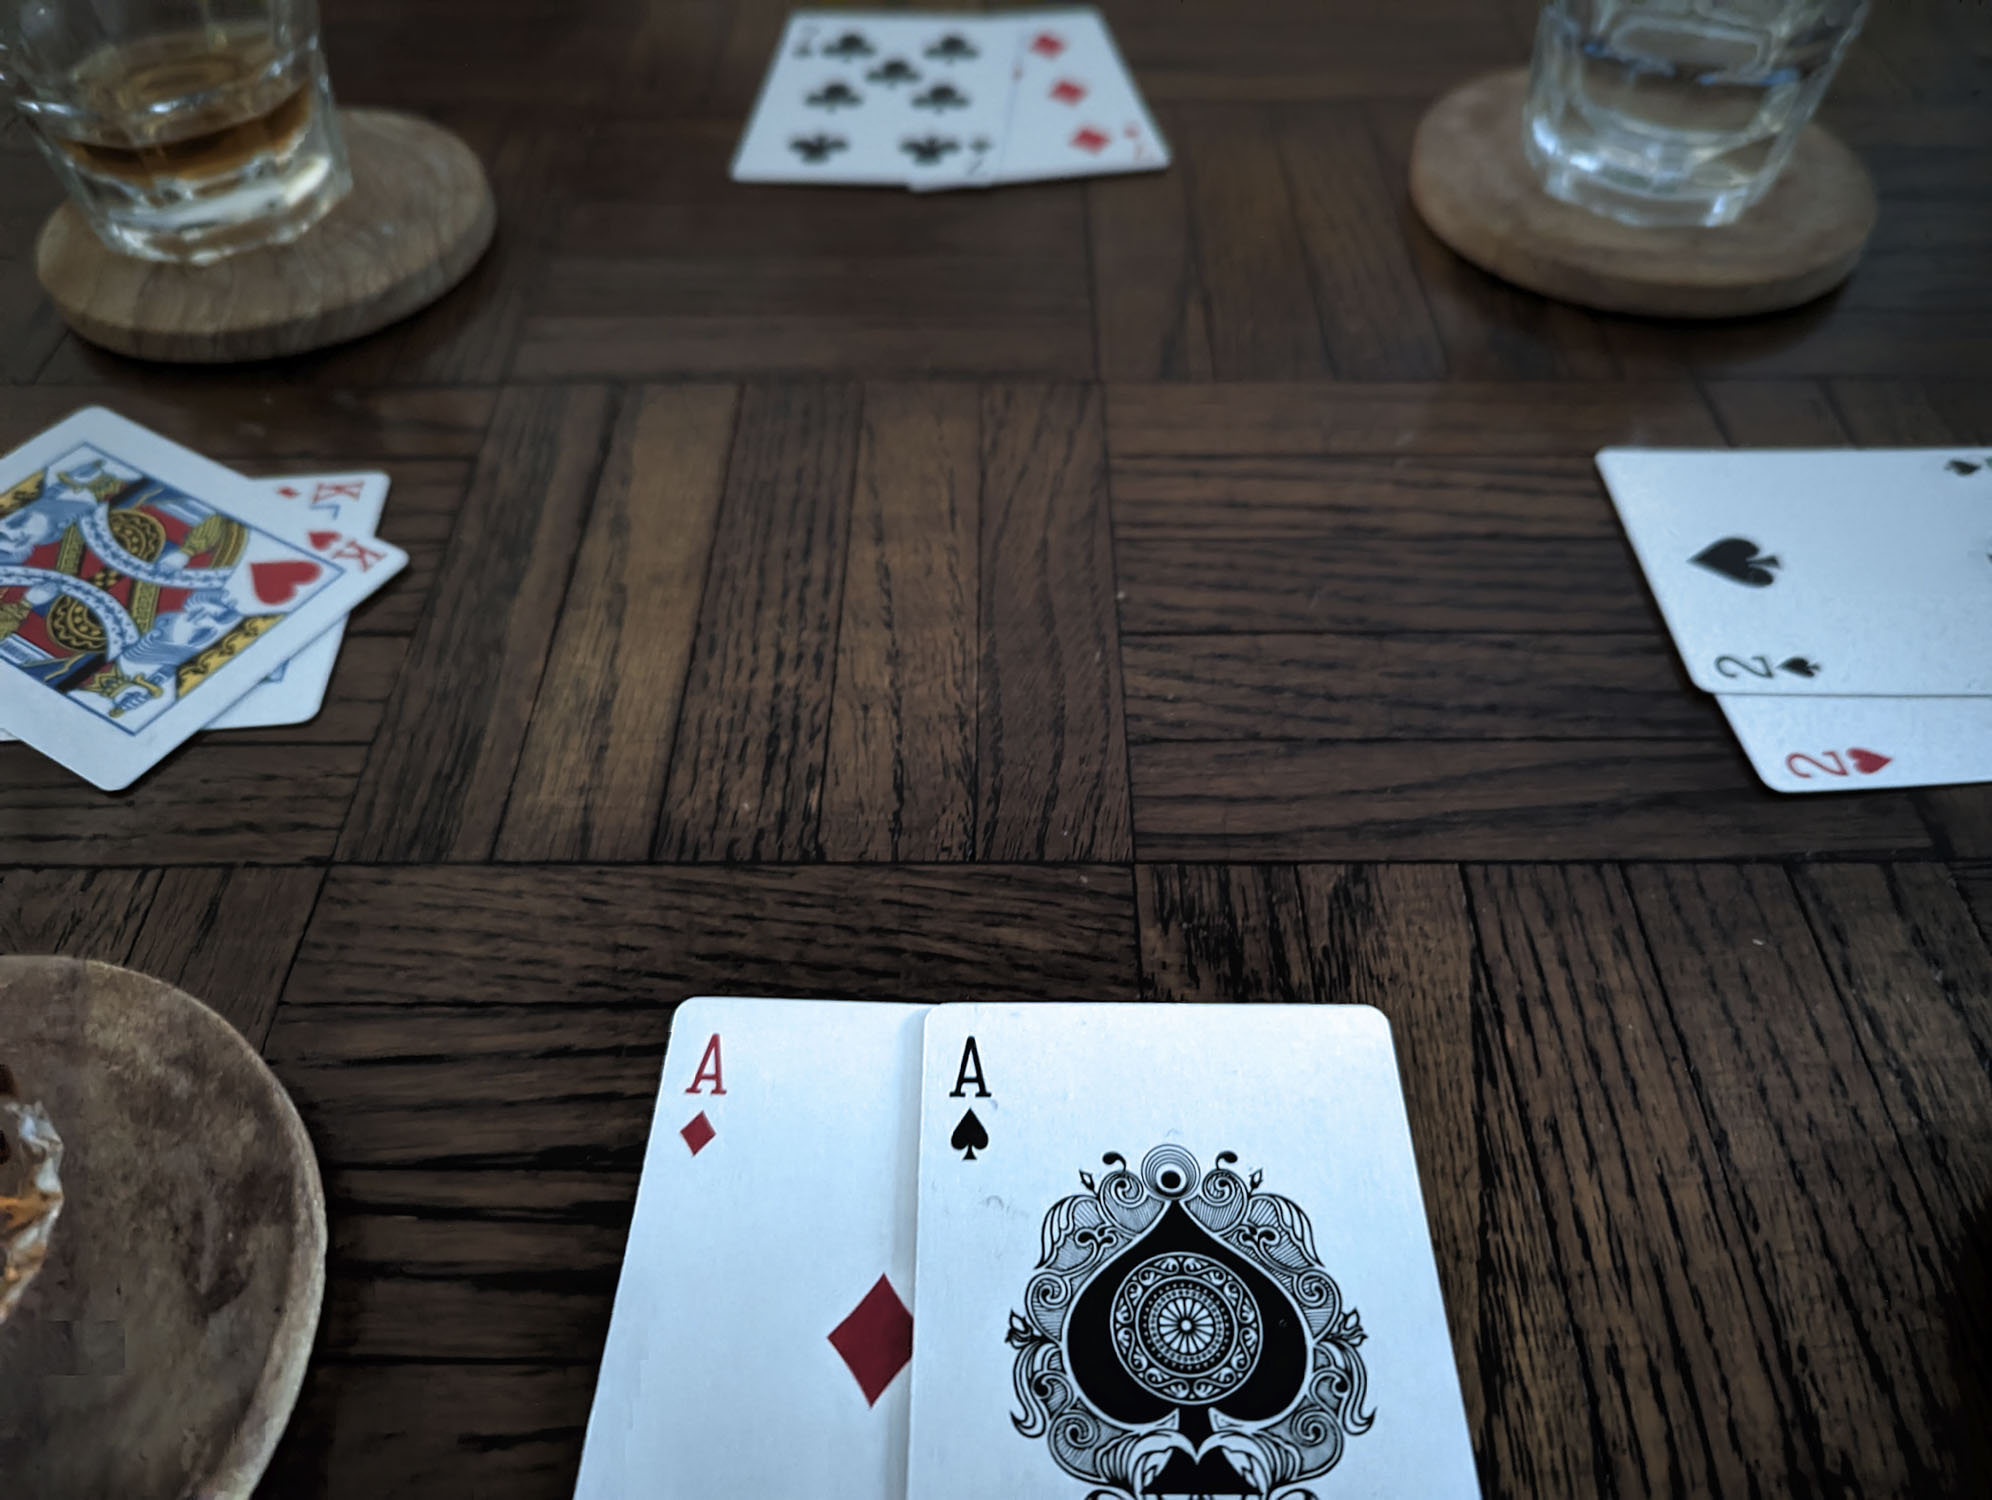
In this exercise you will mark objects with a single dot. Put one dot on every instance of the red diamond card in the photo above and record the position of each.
(1077, 111)
(769, 1269)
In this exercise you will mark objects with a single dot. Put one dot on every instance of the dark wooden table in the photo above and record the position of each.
(1182, 587)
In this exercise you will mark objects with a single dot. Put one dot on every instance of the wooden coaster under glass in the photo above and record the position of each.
(1473, 185)
(419, 216)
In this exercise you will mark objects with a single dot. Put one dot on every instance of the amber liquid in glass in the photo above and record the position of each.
(191, 105)
(179, 139)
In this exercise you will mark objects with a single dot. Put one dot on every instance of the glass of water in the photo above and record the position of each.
(30, 1191)
(185, 130)
(1677, 111)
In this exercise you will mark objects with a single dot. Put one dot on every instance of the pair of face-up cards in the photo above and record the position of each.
(1837, 603)
(1000, 1252)
(932, 101)
(147, 593)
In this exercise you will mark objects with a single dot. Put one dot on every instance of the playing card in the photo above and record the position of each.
(1831, 572)
(870, 97)
(762, 1323)
(295, 691)
(1077, 112)
(144, 589)
(1815, 744)
(1174, 1250)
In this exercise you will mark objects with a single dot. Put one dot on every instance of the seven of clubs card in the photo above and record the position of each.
(939, 101)
(877, 98)
(1174, 1250)
(144, 590)
(762, 1324)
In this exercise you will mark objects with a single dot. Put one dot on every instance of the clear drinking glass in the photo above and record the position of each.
(1677, 111)
(30, 1191)
(185, 130)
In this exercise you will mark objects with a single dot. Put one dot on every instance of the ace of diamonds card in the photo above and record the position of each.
(762, 1325)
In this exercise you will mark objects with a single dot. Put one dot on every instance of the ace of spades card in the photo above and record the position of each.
(1174, 1251)
(762, 1324)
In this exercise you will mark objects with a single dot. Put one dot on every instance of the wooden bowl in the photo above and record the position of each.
(159, 1352)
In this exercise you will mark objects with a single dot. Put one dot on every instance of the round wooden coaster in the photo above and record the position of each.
(159, 1351)
(1473, 185)
(418, 217)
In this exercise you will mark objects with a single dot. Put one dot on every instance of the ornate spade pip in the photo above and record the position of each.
(1181, 1338)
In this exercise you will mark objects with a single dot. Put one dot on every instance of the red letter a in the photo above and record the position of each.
(709, 1068)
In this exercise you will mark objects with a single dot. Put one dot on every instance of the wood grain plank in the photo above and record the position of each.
(1416, 497)
(1302, 418)
(590, 781)
(565, 1086)
(1973, 879)
(1343, 580)
(900, 782)
(243, 413)
(746, 780)
(487, 1265)
(498, 1432)
(1224, 934)
(1373, 316)
(1686, 1373)
(1914, 971)
(1568, 799)
(705, 277)
(227, 937)
(649, 936)
(207, 803)
(1052, 345)
(1051, 752)
(1149, 305)
(1914, 413)
(1817, 341)
(1776, 413)
(1326, 50)
(81, 913)
(1456, 686)
(435, 784)
(1260, 314)
(1399, 937)
(1844, 1245)
(463, 1018)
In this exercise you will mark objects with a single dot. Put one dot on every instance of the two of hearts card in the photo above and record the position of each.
(1028, 1252)
(930, 101)
(1838, 604)
(147, 593)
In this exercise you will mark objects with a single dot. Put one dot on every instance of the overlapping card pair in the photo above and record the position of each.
(1003, 1252)
(933, 101)
(147, 593)
(1838, 603)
